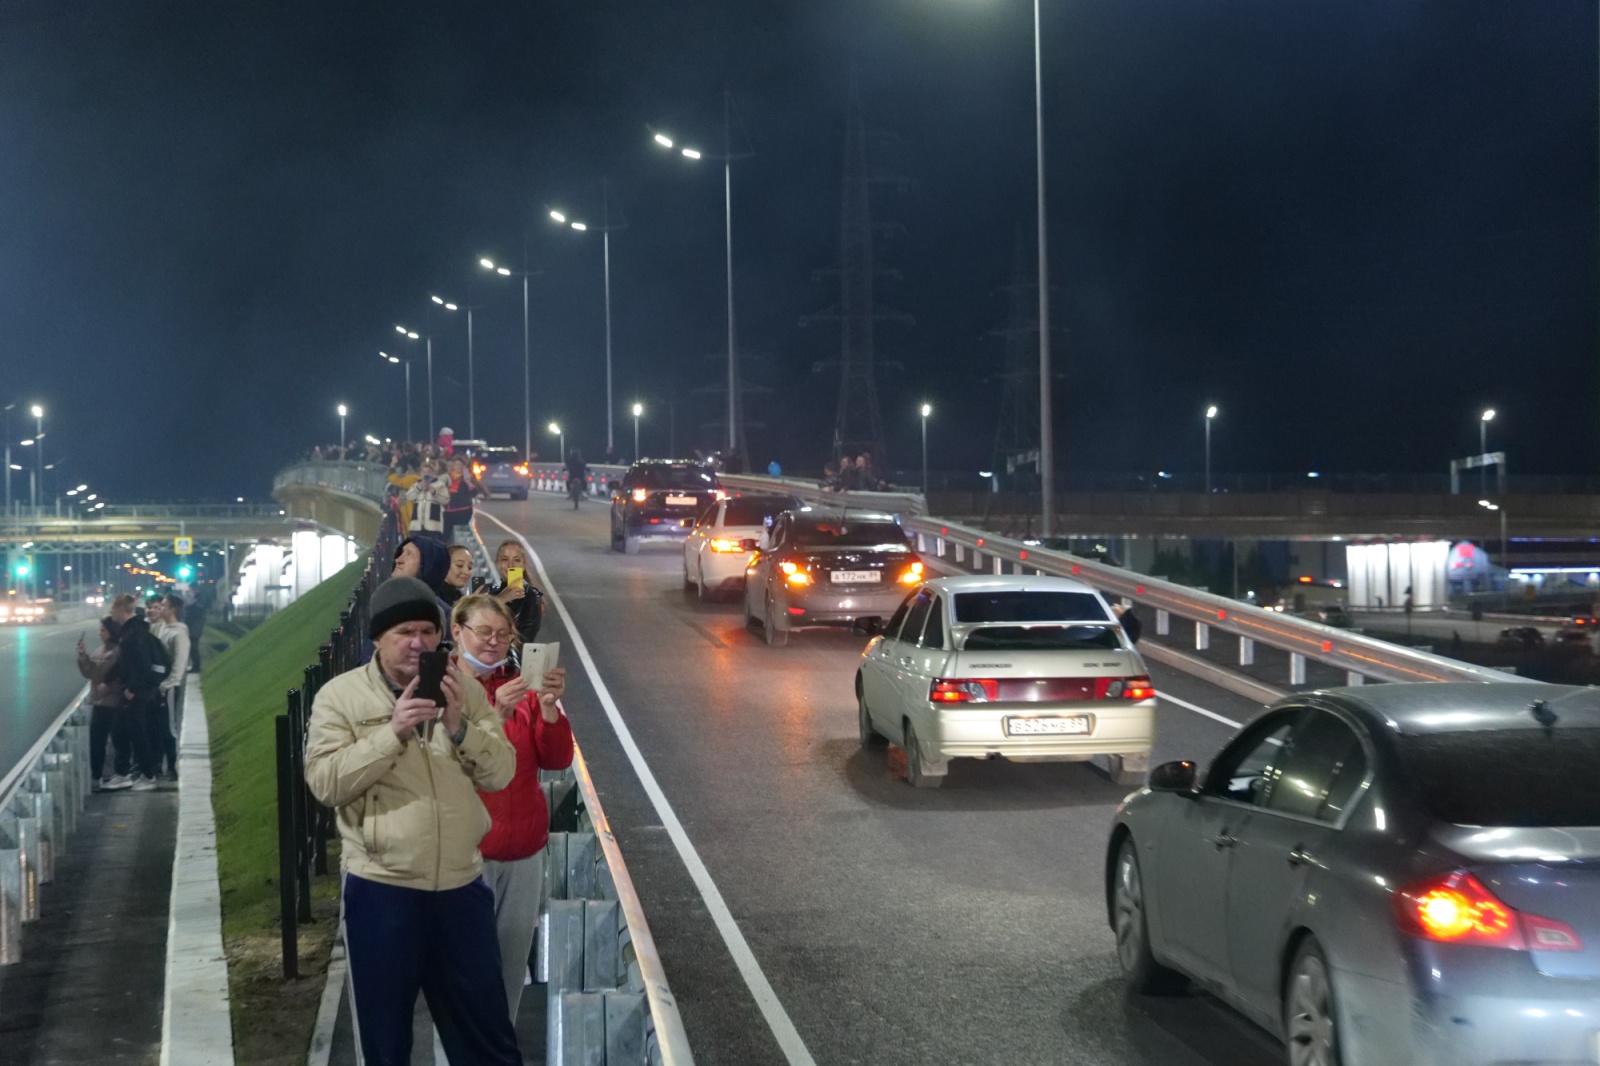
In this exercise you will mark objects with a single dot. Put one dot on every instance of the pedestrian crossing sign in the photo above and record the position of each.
(183, 546)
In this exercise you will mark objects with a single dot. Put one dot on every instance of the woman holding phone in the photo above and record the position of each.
(525, 601)
(483, 629)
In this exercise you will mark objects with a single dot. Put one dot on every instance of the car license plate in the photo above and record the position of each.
(1068, 723)
(680, 501)
(857, 577)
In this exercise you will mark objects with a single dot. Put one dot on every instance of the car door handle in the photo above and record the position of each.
(1298, 856)
(1224, 840)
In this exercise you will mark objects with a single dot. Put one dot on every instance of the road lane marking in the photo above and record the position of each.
(789, 1041)
(1197, 709)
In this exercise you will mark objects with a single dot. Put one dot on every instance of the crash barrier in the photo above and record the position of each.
(304, 825)
(40, 800)
(552, 477)
(1360, 657)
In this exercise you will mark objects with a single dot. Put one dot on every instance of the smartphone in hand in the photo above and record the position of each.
(430, 676)
(538, 660)
(513, 576)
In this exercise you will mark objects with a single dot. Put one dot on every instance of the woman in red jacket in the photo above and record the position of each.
(513, 850)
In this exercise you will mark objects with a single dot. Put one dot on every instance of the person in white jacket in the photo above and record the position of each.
(428, 498)
(164, 614)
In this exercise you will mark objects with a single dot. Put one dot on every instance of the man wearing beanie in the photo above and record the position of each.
(402, 775)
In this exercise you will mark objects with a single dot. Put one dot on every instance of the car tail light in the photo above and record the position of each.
(478, 469)
(793, 574)
(639, 495)
(722, 544)
(964, 690)
(522, 468)
(1123, 688)
(912, 575)
(1459, 909)
(721, 495)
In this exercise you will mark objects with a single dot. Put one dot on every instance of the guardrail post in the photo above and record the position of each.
(1163, 623)
(999, 566)
(1202, 636)
(1018, 568)
(960, 552)
(286, 848)
(1353, 679)
(938, 546)
(10, 900)
(1247, 651)
(1297, 668)
(28, 845)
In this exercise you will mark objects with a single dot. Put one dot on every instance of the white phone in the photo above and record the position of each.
(538, 660)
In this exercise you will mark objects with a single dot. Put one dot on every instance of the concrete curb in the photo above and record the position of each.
(328, 1009)
(196, 1029)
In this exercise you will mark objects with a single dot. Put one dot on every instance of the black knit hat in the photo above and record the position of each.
(402, 599)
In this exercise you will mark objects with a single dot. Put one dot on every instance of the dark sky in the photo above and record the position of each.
(1351, 225)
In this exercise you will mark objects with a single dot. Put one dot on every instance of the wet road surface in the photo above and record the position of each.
(38, 677)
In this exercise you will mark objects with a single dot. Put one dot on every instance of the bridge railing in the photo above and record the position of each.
(40, 800)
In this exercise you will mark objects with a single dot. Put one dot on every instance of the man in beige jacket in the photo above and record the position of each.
(402, 773)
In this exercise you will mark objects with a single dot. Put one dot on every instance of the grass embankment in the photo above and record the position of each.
(244, 692)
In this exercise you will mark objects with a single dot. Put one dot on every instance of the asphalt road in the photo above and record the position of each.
(38, 677)
(958, 925)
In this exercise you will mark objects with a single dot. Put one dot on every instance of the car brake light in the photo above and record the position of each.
(912, 575)
(964, 690)
(1123, 688)
(721, 495)
(793, 574)
(522, 469)
(1459, 909)
(478, 469)
(720, 544)
(639, 495)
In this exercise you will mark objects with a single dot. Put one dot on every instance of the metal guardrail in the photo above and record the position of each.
(40, 800)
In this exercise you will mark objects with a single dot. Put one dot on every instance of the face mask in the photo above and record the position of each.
(480, 667)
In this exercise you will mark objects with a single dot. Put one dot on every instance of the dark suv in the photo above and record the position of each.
(659, 499)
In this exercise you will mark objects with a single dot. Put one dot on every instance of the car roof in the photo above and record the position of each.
(1446, 707)
(812, 513)
(669, 462)
(1008, 583)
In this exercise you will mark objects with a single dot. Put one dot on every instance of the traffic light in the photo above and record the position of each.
(185, 572)
(22, 566)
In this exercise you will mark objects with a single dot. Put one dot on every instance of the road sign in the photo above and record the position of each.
(183, 546)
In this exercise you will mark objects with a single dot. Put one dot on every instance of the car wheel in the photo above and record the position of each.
(776, 637)
(870, 737)
(1310, 1025)
(523, 495)
(616, 538)
(1139, 966)
(630, 545)
(917, 775)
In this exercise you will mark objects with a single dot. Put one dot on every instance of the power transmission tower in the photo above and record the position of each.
(858, 419)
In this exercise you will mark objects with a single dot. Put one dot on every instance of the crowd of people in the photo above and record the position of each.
(858, 475)
(136, 684)
(437, 796)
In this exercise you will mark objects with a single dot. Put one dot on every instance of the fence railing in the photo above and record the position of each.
(40, 800)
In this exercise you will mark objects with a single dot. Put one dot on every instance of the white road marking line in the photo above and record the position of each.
(794, 1048)
(1197, 709)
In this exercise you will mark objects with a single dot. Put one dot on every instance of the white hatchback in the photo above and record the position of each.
(1030, 668)
(724, 540)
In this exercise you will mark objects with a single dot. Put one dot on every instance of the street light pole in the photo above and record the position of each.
(8, 409)
(562, 437)
(927, 409)
(1211, 413)
(1483, 446)
(343, 410)
(638, 409)
(1047, 436)
(38, 448)
(472, 409)
(606, 227)
(527, 358)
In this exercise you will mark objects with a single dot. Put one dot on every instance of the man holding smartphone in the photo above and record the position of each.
(402, 772)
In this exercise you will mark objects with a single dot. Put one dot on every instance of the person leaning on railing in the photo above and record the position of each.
(403, 775)
(513, 850)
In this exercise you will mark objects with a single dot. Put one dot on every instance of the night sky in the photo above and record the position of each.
(1350, 225)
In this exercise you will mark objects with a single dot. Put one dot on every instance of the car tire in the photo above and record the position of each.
(1310, 1017)
(523, 495)
(616, 538)
(630, 545)
(870, 737)
(916, 774)
(776, 636)
(1145, 975)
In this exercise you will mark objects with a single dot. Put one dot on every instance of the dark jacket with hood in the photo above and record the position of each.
(434, 569)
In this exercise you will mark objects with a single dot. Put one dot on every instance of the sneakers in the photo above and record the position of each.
(144, 784)
(116, 783)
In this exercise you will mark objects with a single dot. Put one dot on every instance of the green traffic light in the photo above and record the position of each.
(185, 572)
(22, 569)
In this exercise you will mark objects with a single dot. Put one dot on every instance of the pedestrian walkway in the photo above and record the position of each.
(125, 964)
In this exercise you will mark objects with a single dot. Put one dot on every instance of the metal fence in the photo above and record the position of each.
(40, 800)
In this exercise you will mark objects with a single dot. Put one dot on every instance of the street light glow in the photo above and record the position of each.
(502, 271)
(400, 330)
(1488, 416)
(386, 355)
(579, 226)
(1211, 412)
(436, 300)
(691, 153)
(638, 409)
(558, 216)
(663, 140)
(927, 409)
(37, 411)
(487, 264)
(554, 429)
(26, 443)
(343, 410)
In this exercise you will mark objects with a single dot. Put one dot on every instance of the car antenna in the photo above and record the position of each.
(1544, 716)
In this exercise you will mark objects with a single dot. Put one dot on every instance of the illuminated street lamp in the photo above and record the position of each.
(1483, 446)
(38, 456)
(1211, 413)
(638, 409)
(396, 359)
(527, 408)
(560, 218)
(1505, 545)
(556, 430)
(411, 334)
(343, 410)
(926, 410)
(472, 416)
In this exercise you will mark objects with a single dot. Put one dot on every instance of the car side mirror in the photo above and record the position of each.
(867, 626)
(1173, 777)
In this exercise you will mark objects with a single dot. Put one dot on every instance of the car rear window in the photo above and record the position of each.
(848, 534)
(1042, 638)
(1019, 606)
(754, 510)
(687, 476)
(1507, 777)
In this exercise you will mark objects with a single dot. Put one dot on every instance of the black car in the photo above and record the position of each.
(659, 499)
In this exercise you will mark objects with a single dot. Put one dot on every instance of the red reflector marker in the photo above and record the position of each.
(1327, 646)
(797, 610)
(1222, 616)
(1076, 568)
(1024, 555)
